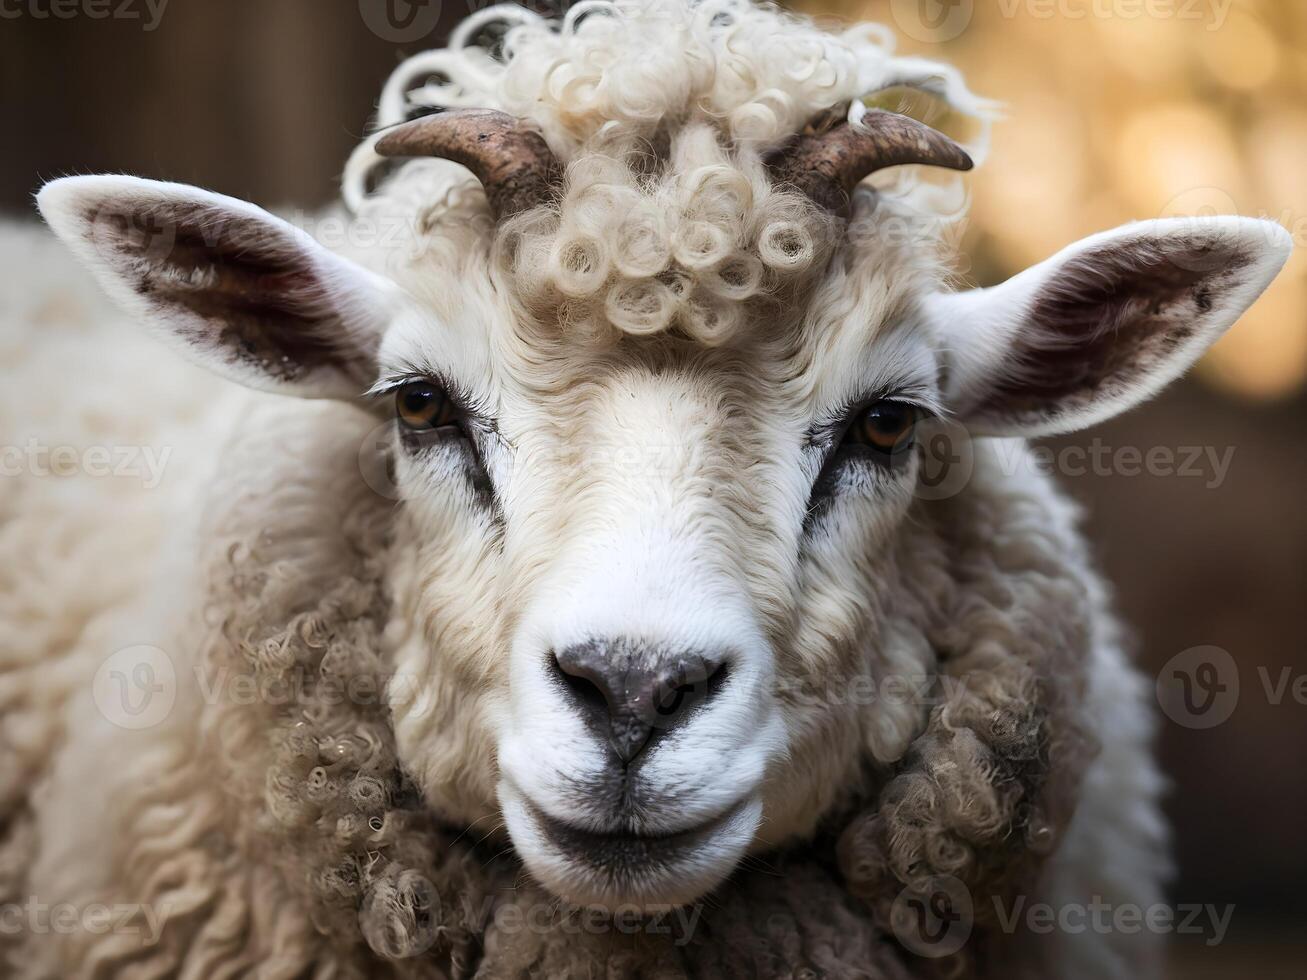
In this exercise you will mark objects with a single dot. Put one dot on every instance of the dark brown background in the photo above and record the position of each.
(263, 99)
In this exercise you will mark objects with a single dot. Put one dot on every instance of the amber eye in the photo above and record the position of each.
(886, 426)
(422, 406)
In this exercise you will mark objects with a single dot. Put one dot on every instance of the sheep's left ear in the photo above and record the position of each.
(226, 283)
(1103, 325)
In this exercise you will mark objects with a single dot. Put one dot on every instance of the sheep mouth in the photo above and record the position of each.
(619, 868)
(618, 849)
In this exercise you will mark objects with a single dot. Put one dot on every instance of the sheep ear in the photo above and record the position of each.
(227, 284)
(1103, 325)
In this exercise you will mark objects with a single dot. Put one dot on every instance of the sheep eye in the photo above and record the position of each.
(421, 406)
(886, 427)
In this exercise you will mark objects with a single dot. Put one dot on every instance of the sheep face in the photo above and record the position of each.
(660, 598)
(638, 579)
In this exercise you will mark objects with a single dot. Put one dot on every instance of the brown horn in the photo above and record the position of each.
(512, 161)
(826, 166)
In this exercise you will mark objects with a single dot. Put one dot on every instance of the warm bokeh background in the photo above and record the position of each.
(1116, 110)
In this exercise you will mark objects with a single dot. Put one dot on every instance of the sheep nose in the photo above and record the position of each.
(632, 692)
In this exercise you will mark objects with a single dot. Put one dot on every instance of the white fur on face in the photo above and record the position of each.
(650, 492)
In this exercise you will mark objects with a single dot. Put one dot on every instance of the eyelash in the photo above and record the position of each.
(829, 436)
(837, 454)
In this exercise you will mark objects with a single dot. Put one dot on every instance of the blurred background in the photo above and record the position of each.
(1116, 110)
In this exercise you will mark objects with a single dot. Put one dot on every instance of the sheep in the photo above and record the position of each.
(590, 611)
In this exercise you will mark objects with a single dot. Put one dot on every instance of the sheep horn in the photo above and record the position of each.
(512, 161)
(826, 166)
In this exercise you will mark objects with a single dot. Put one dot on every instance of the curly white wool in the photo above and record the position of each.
(614, 86)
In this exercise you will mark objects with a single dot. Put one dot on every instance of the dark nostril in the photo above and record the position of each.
(587, 693)
(631, 692)
(679, 692)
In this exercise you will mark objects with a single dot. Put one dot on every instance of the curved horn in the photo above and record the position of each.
(512, 161)
(826, 166)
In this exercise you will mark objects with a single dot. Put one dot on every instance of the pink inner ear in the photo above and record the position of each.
(1106, 319)
(251, 293)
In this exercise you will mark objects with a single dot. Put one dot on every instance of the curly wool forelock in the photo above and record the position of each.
(690, 247)
(663, 112)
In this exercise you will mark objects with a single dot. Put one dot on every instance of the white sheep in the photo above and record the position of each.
(605, 574)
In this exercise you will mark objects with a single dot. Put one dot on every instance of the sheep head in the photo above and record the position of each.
(668, 583)
(645, 589)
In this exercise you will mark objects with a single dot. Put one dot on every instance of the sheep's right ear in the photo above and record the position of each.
(226, 283)
(1102, 325)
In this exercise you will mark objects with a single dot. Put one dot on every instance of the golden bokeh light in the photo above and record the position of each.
(1119, 110)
